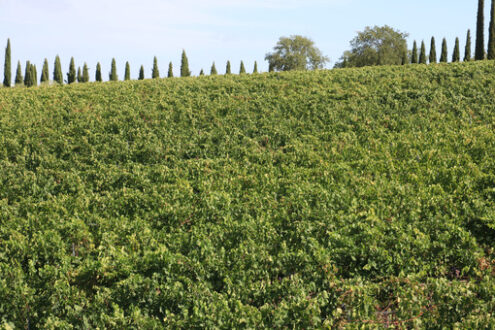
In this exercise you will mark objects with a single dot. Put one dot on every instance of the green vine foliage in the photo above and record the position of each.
(352, 198)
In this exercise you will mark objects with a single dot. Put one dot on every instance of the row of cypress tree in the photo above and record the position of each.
(422, 58)
(30, 77)
(480, 53)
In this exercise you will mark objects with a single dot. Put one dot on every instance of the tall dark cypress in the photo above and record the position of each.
(242, 69)
(170, 73)
(127, 74)
(19, 79)
(71, 75)
(7, 69)
(85, 76)
(255, 69)
(113, 71)
(443, 57)
(141, 73)
(79, 75)
(433, 51)
(57, 71)
(201, 73)
(98, 76)
(27, 74)
(34, 75)
(184, 66)
(45, 72)
(228, 68)
(456, 56)
(479, 53)
(422, 53)
(467, 50)
(491, 36)
(405, 59)
(414, 55)
(213, 70)
(155, 73)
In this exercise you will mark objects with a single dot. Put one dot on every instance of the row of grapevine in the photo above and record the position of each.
(357, 198)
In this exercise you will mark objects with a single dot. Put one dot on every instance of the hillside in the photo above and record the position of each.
(342, 198)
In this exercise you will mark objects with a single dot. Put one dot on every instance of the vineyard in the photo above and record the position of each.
(352, 198)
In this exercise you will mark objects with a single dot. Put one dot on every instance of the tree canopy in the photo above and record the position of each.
(376, 46)
(295, 53)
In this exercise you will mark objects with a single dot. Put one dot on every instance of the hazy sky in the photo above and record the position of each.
(211, 30)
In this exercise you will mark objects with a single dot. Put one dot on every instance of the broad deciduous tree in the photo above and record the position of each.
(295, 53)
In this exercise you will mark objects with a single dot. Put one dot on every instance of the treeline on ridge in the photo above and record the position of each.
(373, 46)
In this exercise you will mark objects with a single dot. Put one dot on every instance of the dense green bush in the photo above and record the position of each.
(344, 198)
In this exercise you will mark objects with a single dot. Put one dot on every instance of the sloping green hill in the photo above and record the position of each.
(344, 198)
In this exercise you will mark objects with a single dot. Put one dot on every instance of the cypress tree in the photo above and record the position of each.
(255, 69)
(422, 53)
(141, 73)
(79, 75)
(184, 66)
(71, 75)
(7, 69)
(34, 75)
(433, 51)
(27, 74)
(113, 72)
(443, 57)
(242, 70)
(19, 80)
(57, 72)
(45, 72)
(98, 76)
(127, 74)
(456, 56)
(491, 36)
(467, 50)
(414, 55)
(404, 60)
(201, 73)
(213, 70)
(227, 68)
(85, 76)
(479, 53)
(155, 73)
(170, 73)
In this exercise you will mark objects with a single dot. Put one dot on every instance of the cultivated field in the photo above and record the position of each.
(345, 198)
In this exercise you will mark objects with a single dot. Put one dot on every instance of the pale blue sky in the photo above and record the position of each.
(211, 30)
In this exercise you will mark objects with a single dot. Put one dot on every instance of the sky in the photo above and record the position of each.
(94, 31)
